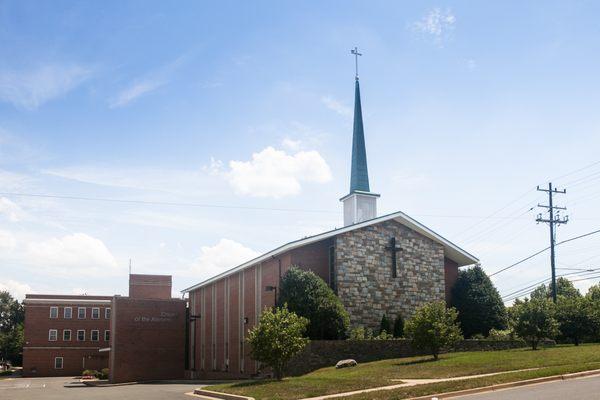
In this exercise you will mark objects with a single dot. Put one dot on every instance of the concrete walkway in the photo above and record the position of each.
(413, 382)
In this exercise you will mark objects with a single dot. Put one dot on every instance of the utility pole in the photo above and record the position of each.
(554, 219)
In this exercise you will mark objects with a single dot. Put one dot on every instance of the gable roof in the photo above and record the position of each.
(451, 251)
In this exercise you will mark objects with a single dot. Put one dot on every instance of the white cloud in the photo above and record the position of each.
(10, 210)
(222, 256)
(30, 89)
(134, 91)
(336, 106)
(437, 24)
(274, 173)
(146, 84)
(291, 144)
(17, 289)
(7, 240)
(75, 253)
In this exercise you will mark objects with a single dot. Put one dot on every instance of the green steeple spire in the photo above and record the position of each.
(359, 178)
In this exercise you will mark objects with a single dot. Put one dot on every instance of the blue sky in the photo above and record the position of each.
(467, 107)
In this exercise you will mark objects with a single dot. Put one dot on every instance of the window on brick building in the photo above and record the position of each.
(106, 336)
(58, 363)
(81, 312)
(52, 335)
(68, 312)
(95, 313)
(95, 335)
(53, 312)
(81, 335)
(67, 335)
(107, 313)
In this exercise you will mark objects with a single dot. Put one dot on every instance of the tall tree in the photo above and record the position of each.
(575, 318)
(385, 325)
(12, 316)
(399, 326)
(480, 307)
(309, 296)
(564, 287)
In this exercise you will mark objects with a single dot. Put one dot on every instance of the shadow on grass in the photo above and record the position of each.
(414, 362)
(251, 383)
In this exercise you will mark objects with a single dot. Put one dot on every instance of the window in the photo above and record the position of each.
(81, 312)
(95, 313)
(53, 312)
(67, 335)
(68, 313)
(81, 335)
(95, 335)
(106, 336)
(58, 363)
(107, 313)
(52, 335)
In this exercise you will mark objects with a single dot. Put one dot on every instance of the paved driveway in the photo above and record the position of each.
(571, 389)
(53, 389)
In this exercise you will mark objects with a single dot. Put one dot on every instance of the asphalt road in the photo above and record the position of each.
(572, 389)
(53, 389)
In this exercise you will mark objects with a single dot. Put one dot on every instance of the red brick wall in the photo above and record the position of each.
(314, 257)
(148, 339)
(229, 344)
(39, 352)
(450, 274)
(150, 286)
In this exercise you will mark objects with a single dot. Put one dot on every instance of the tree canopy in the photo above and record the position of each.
(564, 287)
(535, 320)
(480, 307)
(277, 338)
(12, 316)
(433, 327)
(309, 296)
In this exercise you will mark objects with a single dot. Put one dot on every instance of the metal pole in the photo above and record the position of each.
(552, 261)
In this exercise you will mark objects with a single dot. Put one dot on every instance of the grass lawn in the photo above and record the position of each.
(556, 360)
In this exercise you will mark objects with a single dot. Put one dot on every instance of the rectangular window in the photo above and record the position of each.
(68, 313)
(81, 312)
(95, 313)
(67, 335)
(106, 336)
(53, 312)
(107, 313)
(58, 363)
(52, 335)
(95, 335)
(81, 335)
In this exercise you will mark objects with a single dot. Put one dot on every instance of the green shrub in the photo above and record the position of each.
(89, 372)
(399, 326)
(308, 296)
(501, 334)
(534, 320)
(385, 325)
(104, 373)
(278, 337)
(434, 327)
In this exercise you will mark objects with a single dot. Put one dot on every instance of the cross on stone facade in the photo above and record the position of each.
(394, 249)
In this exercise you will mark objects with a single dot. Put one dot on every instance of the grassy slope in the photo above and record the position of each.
(556, 360)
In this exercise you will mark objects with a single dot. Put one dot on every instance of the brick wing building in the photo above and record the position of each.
(63, 334)
(140, 336)
(390, 264)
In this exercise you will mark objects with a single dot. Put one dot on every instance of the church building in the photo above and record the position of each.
(377, 265)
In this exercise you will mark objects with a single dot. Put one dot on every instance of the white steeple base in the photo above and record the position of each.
(359, 206)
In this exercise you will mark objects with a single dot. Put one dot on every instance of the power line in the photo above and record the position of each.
(543, 250)
(580, 273)
(159, 203)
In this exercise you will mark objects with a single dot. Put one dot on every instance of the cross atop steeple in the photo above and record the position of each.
(356, 54)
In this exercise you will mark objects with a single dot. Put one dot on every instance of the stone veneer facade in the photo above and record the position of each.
(364, 282)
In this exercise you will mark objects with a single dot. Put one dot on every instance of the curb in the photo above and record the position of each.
(219, 395)
(508, 385)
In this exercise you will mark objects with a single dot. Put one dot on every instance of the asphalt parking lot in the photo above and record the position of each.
(53, 389)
